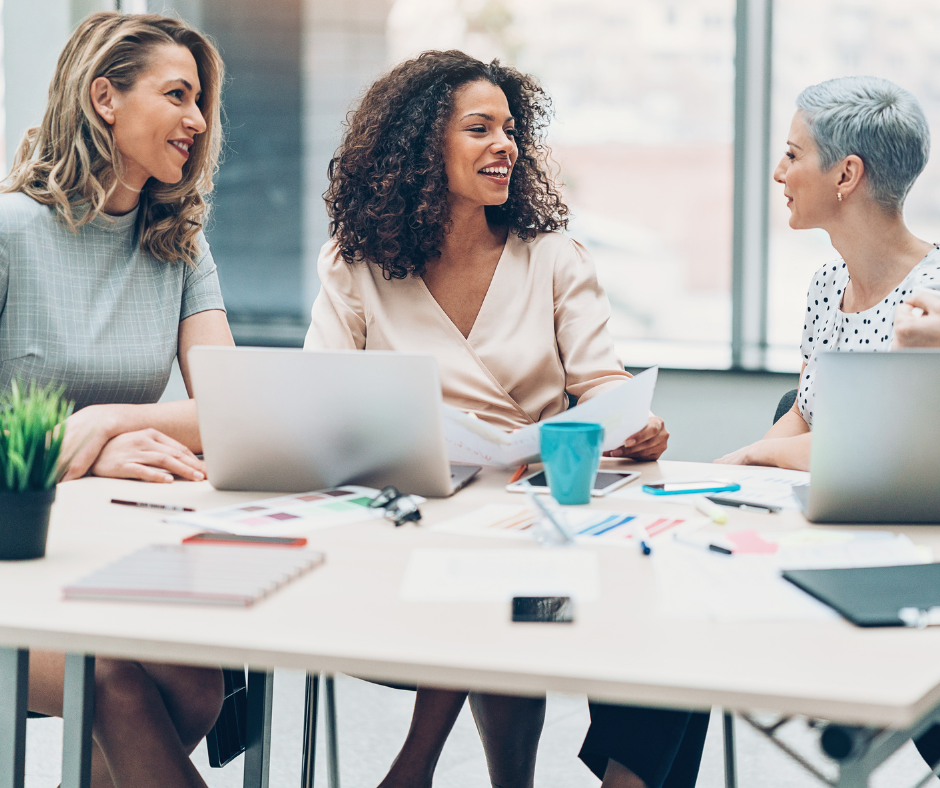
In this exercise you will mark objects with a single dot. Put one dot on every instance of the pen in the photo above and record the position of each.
(153, 505)
(706, 507)
(716, 548)
(645, 549)
(546, 513)
(518, 474)
(747, 505)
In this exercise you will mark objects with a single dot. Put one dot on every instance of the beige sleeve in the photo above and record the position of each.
(581, 314)
(337, 320)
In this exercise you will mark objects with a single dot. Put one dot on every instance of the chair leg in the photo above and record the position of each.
(731, 766)
(258, 729)
(332, 743)
(311, 706)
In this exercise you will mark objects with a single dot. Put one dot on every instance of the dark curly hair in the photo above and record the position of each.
(387, 198)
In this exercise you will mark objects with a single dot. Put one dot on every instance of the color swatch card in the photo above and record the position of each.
(214, 574)
(587, 525)
(289, 515)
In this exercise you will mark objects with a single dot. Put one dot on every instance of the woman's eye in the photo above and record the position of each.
(790, 156)
(510, 132)
(477, 129)
(177, 94)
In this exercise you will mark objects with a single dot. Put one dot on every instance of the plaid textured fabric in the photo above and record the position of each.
(92, 311)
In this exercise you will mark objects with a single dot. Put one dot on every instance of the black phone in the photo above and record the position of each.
(542, 609)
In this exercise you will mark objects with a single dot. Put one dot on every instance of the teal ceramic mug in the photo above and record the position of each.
(571, 452)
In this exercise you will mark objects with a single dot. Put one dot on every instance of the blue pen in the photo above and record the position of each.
(645, 549)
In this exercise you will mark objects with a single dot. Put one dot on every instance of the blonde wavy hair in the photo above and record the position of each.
(71, 160)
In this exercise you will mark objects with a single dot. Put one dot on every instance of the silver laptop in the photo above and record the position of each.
(290, 421)
(876, 438)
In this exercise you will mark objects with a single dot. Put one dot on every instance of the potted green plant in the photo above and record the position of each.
(32, 428)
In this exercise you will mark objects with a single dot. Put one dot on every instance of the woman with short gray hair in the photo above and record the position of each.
(855, 148)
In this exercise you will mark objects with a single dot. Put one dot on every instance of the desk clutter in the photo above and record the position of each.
(212, 574)
(590, 526)
(289, 515)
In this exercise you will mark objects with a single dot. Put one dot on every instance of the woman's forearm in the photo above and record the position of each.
(176, 419)
(791, 452)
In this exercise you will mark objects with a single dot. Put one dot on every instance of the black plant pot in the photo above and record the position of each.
(24, 523)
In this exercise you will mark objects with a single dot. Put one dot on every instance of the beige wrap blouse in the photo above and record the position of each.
(541, 331)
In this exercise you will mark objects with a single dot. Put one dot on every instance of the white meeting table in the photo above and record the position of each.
(347, 617)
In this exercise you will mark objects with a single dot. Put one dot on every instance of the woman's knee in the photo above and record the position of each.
(193, 697)
(123, 692)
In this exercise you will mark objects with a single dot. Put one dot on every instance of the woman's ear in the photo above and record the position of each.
(102, 99)
(850, 176)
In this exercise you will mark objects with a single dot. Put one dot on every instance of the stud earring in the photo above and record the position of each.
(839, 195)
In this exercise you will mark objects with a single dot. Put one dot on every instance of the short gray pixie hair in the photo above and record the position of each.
(876, 120)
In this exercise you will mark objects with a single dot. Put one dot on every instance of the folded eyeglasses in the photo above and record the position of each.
(399, 508)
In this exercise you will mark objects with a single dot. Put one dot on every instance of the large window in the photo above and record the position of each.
(643, 140)
(647, 101)
(815, 40)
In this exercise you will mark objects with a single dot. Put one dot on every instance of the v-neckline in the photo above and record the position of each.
(486, 297)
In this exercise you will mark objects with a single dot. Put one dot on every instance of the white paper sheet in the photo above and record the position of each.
(441, 575)
(622, 411)
(699, 584)
(768, 486)
(696, 584)
(589, 526)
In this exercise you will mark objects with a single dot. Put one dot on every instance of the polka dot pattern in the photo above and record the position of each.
(828, 328)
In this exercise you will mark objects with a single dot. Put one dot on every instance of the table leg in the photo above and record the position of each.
(14, 687)
(258, 734)
(311, 706)
(78, 715)
(332, 741)
(731, 764)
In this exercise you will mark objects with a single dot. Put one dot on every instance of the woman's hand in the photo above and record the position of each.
(755, 454)
(150, 456)
(86, 433)
(912, 329)
(646, 445)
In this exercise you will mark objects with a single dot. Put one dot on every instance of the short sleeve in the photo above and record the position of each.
(581, 314)
(337, 320)
(201, 289)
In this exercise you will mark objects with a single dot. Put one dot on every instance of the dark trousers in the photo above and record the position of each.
(929, 745)
(662, 747)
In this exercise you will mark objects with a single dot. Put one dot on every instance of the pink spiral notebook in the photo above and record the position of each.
(208, 574)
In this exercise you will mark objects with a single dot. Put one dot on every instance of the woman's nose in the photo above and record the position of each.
(196, 122)
(780, 174)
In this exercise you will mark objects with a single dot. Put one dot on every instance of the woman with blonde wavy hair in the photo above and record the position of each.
(105, 278)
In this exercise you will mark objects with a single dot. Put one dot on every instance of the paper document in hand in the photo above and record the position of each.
(435, 575)
(622, 411)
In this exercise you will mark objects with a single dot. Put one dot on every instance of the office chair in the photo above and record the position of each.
(785, 404)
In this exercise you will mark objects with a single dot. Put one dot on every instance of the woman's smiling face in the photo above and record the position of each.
(479, 145)
(811, 193)
(155, 122)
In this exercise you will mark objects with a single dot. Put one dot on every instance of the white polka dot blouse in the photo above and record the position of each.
(828, 328)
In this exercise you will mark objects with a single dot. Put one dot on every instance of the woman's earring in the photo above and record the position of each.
(839, 195)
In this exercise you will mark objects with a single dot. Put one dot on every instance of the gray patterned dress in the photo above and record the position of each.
(92, 311)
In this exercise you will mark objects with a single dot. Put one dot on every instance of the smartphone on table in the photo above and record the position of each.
(604, 483)
(684, 487)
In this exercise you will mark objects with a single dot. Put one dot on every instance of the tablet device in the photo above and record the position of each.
(604, 483)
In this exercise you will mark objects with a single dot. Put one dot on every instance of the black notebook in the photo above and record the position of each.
(874, 596)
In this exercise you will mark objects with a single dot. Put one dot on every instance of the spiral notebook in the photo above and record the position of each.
(207, 574)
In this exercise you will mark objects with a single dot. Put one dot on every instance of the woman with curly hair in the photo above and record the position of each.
(105, 278)
(444, 241)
